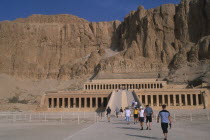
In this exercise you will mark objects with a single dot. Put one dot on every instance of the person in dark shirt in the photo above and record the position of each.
(165, 120)
(108, 113)
(148, 112)
(121, 112)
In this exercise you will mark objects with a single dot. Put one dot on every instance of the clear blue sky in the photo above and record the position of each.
(91, 10)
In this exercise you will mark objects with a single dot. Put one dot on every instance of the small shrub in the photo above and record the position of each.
(23, 101)
(14, 99)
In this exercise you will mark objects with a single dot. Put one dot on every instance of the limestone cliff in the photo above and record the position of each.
(66, 47)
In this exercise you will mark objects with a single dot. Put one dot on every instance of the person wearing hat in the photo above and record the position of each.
(141, 117)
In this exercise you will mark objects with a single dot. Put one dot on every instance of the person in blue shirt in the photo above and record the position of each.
(165, 120)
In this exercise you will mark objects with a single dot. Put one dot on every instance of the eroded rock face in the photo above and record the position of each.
(66, 47)
(40, 46)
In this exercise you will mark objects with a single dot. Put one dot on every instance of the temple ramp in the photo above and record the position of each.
(130, 98)
(122, 98)
(115, 101)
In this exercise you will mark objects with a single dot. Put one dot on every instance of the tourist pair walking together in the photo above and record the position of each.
(164, 115)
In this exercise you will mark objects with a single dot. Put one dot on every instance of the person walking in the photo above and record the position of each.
(135, 115)
(133, 103)
(127, 115)
(148, 112)
(165, 120)
(141, 117)
(108, 113)
(117, 111)
(121, 112)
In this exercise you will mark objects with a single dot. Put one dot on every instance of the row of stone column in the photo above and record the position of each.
(171, 99)
(77, 102)
(121, 86)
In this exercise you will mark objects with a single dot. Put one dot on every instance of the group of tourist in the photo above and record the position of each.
(140, 114)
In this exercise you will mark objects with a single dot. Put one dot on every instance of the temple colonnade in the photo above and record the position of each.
(98, 86)
(171, 99)
(76, 102)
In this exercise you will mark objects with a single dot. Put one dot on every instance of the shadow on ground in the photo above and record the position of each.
(128, 128)
(147, 137)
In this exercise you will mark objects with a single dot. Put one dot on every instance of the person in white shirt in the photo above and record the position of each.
(141, 117)
(133, 103)
(127, 115)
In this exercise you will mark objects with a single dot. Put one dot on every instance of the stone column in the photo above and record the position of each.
(91, 102)
(58, 103)
(69, 102)
(63, 101)
(52, 103)
(186, 102)
(191, 99)
(96, 102)
(158, 103)
(146, 99)
(140, 98)
(102, 101)
(174, 99)
(180, 99)
(169, 100)
(163, 99)
(85, 102)
(197, 100)
(151, 99)
(74, 102)
(80, 102)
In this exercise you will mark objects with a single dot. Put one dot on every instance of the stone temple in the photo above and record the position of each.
(119, 90)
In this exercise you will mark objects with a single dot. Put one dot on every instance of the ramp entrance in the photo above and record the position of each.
(122, 98)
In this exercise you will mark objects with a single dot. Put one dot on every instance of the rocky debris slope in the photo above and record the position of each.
(66, 47)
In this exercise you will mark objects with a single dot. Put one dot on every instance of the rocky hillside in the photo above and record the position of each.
(163, 39)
